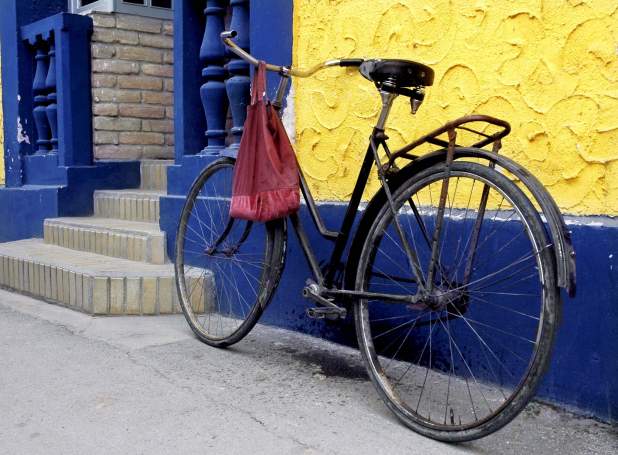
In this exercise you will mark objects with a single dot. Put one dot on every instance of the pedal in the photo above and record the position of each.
(327, 309)
(327, 313)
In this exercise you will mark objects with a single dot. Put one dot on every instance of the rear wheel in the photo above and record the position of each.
(226, 269)
(465, 360)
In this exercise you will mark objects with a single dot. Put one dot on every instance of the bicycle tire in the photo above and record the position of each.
(372, 234)
(235, 264)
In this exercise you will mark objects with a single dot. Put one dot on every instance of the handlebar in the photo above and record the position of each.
(227, 36)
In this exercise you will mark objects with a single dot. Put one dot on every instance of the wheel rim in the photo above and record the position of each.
(221, 262)
(452, 368)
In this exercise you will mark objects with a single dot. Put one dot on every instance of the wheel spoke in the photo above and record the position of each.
(454, 359)
(223, 264)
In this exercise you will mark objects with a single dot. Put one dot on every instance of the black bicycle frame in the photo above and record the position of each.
(326, 278)
(341, 238)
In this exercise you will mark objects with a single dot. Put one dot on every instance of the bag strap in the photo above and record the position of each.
(258, 88)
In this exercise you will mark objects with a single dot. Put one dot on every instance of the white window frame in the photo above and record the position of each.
(119, 6)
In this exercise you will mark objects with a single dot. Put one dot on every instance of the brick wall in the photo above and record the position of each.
(132, 70)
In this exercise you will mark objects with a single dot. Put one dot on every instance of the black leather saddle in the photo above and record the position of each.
(398, 73)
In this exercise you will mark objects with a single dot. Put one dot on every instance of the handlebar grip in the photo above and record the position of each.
(351, 62)
(229, 34)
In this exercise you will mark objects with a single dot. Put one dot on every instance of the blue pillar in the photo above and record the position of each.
(73, 69)
(213, 94)
(271, 35)
(189, 121)
(238, 85)
(17, 77)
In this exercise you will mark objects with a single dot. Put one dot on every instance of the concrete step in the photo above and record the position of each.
(89, 282)
(130, 205)
(133, 240)
(154, 174)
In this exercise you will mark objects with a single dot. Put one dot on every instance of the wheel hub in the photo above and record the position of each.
(439, 299)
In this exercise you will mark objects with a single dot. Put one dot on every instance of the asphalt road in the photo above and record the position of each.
(73, 384)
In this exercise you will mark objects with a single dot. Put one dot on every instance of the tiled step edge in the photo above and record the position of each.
(154, 174)
(91, 293)
(135, 246)
(127, 205)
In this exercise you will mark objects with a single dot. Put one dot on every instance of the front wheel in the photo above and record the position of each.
(226, 269)
(464, 360)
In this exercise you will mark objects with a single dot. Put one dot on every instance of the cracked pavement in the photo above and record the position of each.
(74, 384)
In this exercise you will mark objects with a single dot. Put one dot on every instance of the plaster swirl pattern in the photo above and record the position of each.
(550, 67)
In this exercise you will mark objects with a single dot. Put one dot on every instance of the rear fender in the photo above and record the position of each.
(558, 232)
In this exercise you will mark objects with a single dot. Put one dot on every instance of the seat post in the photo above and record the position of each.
(387, 104)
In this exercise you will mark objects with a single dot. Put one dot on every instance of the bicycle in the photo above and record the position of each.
(452, 275)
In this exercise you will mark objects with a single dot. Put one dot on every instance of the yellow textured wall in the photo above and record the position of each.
(1, 132)
(550, 67)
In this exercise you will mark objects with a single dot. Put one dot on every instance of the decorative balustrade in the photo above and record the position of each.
(52, 98)
(226, 80)
(214, 98)
(39, 90)
(61, 95)
(238, 85)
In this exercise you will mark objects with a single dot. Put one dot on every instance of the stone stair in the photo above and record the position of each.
(114, 262)
(131, 205)
(133, 240)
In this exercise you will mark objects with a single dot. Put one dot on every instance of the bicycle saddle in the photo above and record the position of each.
(400, 73)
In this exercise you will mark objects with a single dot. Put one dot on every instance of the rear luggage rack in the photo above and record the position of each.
(450, 129)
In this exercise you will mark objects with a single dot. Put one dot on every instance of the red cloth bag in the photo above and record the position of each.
(266, 181)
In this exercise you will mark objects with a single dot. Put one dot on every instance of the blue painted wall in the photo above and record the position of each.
(24, 208)
(584, 370)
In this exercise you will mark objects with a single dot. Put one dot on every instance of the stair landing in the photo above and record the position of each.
(111, 263)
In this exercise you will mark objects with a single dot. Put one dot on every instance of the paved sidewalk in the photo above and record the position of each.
(73, 384)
